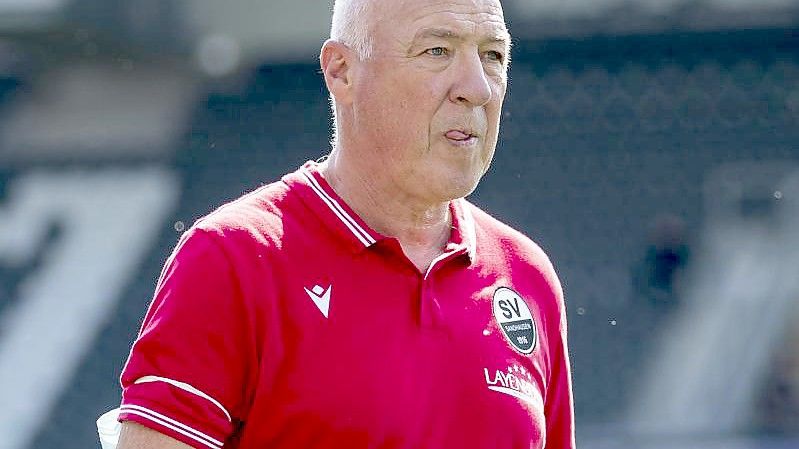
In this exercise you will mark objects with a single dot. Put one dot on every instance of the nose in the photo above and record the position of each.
(471, 87)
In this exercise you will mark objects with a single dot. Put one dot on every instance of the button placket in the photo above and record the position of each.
(431, 313)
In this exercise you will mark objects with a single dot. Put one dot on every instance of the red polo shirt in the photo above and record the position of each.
(283, 321)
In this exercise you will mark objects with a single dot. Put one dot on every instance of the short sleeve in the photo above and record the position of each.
(559, 406)
(189, 368)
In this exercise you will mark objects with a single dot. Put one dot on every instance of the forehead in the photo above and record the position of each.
(405, 19)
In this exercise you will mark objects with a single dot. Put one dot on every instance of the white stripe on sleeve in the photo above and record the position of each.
(171, 424)
(185, 387)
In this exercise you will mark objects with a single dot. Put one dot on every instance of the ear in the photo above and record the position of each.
(336, 61)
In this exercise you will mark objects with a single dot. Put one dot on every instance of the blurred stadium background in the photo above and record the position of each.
(650, 146)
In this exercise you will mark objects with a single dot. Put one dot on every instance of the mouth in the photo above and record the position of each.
(461, 137)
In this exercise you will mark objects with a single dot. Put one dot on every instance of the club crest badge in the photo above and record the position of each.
(514, 318)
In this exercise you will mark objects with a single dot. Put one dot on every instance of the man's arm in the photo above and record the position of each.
(137, 436)
(198, 319)
(559, 406)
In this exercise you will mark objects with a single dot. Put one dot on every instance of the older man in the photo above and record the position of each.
(361, 301)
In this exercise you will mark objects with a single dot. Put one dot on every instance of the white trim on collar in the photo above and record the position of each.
(468, 229)
(357, 230)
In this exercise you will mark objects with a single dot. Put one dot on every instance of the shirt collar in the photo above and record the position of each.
(463, 236)
(331, 208)
(335, 213)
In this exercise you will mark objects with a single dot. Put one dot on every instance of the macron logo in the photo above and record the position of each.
(321, 298)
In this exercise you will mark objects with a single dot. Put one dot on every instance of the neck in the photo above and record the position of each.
(422, 227)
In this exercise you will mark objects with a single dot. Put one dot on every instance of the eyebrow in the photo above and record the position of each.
(500, 36)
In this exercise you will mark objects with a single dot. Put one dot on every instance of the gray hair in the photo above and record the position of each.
(351, 27)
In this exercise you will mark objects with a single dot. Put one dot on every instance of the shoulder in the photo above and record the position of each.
(255, 218)
(494, 235)
(503, 245)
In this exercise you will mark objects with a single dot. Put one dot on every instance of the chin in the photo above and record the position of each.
(459, 186)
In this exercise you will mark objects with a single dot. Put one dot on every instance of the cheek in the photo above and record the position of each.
(499, 95)
(494, 112)
(414, 113)
(401, 107)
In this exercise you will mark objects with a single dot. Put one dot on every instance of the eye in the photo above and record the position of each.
(494, 55)
(436, 51)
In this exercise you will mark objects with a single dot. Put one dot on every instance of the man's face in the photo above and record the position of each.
(427, 104)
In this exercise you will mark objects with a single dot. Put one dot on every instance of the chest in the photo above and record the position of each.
(371, 353)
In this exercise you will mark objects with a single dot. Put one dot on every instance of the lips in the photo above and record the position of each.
(458, 135)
